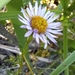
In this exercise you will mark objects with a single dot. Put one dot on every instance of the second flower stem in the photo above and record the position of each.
(65, 46)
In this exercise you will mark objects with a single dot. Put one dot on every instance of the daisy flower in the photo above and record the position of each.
(39, 24)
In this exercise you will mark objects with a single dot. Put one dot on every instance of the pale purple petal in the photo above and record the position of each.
(35, 31)
(31, 8)
(26, 27)
(49, 15)
(51, 38)
(46, 15)
(28, 11)
(44, 37)
(43, 11)
(24, 14)
(28, 33)
(54, 25)
(36, 8)
(52, 35)
(37, 38)
(36, 35)
(41, 38)
(23, 26)
(24, 21)
(39, 11)
(29, 27)
(45, 46)
(52, 18)
(53, 31)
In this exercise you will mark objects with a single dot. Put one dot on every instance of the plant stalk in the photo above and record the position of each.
(25, 54)
(65, 46)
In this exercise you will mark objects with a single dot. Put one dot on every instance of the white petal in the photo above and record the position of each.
(46, 15)
(45, 45)
(23, 20)
(51, 38)
(29, 12)
(53, 31)
(29, 27)
(39, 10)
(24, 14)
(37, 38)
(41, 38)
(44, 38)
(34, 34)
(28, 34)
(36, 8)
(51, 35)
(43, 11)
(31, 8)
(52, 19)
(54, 25)
(49, 15)
(22, 26)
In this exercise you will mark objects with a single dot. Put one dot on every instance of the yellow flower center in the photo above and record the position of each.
(39, 23)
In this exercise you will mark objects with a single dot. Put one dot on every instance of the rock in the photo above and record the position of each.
(1, 61)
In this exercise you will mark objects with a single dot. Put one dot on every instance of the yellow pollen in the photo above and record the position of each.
(39, 23)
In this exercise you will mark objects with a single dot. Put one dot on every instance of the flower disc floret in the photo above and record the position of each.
(39, 23)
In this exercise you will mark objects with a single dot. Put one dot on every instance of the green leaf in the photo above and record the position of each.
(3, 3)
(67, 62)
(72, 7)
(56, 11)
(65, 3)
(15, 5)
(60, 7)
(25, 2)
(71, 43)
(9, 15)
(20, 32)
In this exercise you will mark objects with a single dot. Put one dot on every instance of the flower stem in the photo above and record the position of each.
(65, 46)
(28, 65)
(25, 54)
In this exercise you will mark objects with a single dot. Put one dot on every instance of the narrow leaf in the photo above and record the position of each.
(15, 5)
(64, 3)
(25, 2)
(3, 3)
(67, 62)
(9, 15)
